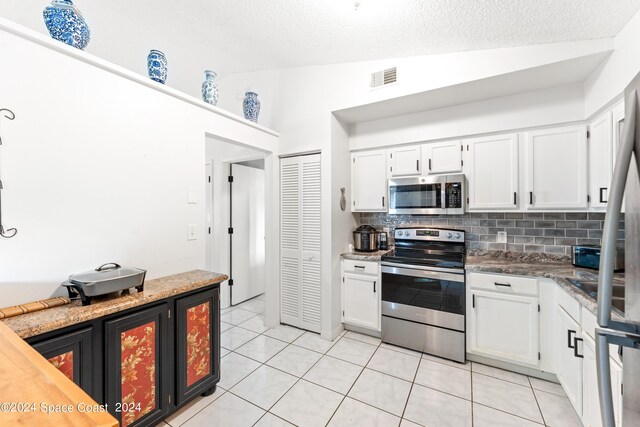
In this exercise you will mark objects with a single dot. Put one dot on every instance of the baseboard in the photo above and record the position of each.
(532, 372)
(363, 331)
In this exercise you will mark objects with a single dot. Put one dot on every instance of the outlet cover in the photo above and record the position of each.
(191, 232)
(502, 237)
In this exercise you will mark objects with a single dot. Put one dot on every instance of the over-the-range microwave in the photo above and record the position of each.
(428, 195)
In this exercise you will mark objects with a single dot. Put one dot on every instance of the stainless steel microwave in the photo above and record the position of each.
(428, 195)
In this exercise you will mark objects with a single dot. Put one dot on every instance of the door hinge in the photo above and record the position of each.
(462, 148)
(209, 179)
(230, 179)
(169, 398)
(538, 308)
(467, 200)
(354, 203)
(343, 280)
(343, 313)
(588, 134)
(473, 300)
(461, 162)
(588, 198)
(391, 155)
(621, 388)
(354, 160)
(391, 169)
(467, 147)
(539, 356)
(230, 282)
(209, 230)
(169, 315)
(230, 230)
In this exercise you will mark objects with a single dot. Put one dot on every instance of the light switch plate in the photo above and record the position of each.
(192, 195)
(191, 232)
(502, 237)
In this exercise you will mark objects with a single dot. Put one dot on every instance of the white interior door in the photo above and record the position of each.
(247, 241)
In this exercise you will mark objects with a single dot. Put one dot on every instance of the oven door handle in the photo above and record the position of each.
(423, 273)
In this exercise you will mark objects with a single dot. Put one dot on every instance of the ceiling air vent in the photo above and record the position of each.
(384, 78)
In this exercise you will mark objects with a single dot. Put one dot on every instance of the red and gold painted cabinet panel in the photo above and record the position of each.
(71, 354)
(197, 341)
(137, 371)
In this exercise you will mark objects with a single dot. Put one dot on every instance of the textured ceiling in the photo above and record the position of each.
(245, 35)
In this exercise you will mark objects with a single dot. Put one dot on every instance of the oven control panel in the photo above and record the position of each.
(429, 234)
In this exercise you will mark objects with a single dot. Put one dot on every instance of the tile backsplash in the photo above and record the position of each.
(548, 232)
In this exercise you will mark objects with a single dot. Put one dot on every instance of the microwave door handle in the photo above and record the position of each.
(608, 254)
(443, 194)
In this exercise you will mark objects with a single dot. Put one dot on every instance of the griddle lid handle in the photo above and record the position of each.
(113, 264)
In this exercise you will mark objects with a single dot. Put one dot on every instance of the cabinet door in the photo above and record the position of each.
(569, 365)
(618, 128)
(361, 301)
(492, 172)
(136, 366)
(504, 326)
(405, 161)
(71, 354)
(557, 168)
(600, 159)
(444, 157)
(197, 344)
(369, 181)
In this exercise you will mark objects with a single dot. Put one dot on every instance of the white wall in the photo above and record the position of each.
(97, 165)
(609, 80)
(540, 108)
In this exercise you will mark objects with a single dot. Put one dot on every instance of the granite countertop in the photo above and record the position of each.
(31, 324)
(365, 256)
(557, 269)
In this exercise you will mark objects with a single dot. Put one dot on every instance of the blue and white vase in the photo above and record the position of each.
(210, 88)
(251, 106)
(65, 23)
(157, 66)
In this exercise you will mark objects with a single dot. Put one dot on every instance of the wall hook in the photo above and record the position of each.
(7, 114)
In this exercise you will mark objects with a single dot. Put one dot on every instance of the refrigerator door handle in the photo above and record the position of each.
(607, 257)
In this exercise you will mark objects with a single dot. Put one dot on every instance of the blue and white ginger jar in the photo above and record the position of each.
(65, 23)
(251, 106)
(210, 88)
(157, 66)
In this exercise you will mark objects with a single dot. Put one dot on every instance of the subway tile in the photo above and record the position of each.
(505, 223)
(533, 215)
(455, 221)
(495, 230)
(596, 216)
(564, 241)
(577, 233)
(440, 221)
(554, 215)
(514, 231)
(524, 223)
(544, 241)
(523, 239)
(488, 238)
(472, 237)
(595, 234)
(533, 248)
(510, 239)
(534, 232)
(472, 222)
(478, 245)
(554, 250)
(588, 241)
(513, 215)
(488, 223)
(477, 215)
(545, 224)
(495, 215)
(554, 232)
(496, 246)
(480, 230)
(566, 224)
(590, 225)
(515, 247)
(576, 216)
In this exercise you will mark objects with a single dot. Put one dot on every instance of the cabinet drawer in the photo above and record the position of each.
(362, 267)
(569, 304)
(504, 284)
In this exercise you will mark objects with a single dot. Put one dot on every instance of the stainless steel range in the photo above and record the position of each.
(423, 292)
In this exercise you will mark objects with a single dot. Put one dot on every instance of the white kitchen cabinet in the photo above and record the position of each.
(600, 159)
(369, 181)
(503, 318)
(556, 162)
(300, 242)
(361, 301)
(591, 416)
(405, 161)
(443, 157)
(492, 172)
(569, 358)
(617, 129)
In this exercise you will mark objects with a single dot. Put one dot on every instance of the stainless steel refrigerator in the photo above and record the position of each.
(626, 332)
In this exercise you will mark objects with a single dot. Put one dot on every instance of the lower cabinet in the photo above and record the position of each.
(137, 366)
(71, 354)
(197, 344)
(361, 290)
(569, 369)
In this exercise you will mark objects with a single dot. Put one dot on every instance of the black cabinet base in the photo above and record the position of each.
(210, 391)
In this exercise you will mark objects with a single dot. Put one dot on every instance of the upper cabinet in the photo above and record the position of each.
(369, 181)
(442, 157)
(556, 162)
(492, 172)
(405, 161)
(600, 159)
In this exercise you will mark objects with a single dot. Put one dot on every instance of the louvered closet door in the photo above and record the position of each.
(301, 238)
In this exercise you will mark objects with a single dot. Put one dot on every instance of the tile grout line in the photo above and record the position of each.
(411, 390)
(473, 421)
(537, 403)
